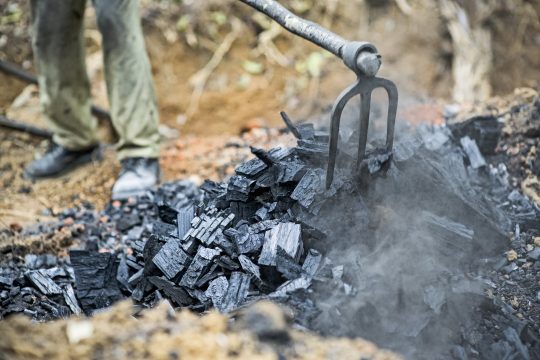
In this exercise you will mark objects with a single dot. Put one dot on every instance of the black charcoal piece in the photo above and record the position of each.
(301, 283)
(262, 155)
(171, 290)
(183, 220)
(312, 262)
(95, 275)
(43, 282)
(227, 263)
(199, 266)
(285, 235)
(286, 265)
(171, 259)
(236, 292)
(135, 278)
(203, 225)
(375, 161)
(242, 210)
(167, 213)
(227, 246)
(268, 178)
(310, 185)
(249, 266)
(190, 245)
(71, 300)
(133, 264)
(239, 188)
(452, 237)
(473, 153)
(138, 246)
(247, 243)
(485, 130)
(280, 153)
(122, 273)
(262, 214)
(164, 230)
(262, 226)
(6, 281)
(207, 235)
(127, 221)
(290, 125)
(216, 291)
(292, 170)
(307, 131)
(210, 275)
(251, 168)
(151, 248)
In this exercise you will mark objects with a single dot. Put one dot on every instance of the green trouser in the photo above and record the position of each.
(58, 43)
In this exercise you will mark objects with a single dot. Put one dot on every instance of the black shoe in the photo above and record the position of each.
(59, 160)
(138, 175)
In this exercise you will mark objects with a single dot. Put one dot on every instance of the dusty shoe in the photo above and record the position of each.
(138, 175)
(58, 160)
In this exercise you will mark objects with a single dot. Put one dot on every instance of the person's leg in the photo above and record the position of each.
(58, 44)
(129, 79)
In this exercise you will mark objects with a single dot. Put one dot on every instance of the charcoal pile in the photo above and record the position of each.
(414, 256)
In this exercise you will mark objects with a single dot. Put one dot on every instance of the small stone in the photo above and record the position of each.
(537, 241)
(514, 302)
(511, 255)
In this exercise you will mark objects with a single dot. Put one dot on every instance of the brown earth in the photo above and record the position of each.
(161, 333)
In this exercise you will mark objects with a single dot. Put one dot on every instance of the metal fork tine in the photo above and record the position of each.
(365, 106)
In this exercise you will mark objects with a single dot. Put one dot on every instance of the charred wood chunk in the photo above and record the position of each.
(43, 282)
(131, 261)
(95, 276)
(167, 213)
(263, 156)
(251, 168)
(262, 226)
(227, 263)
(239, 188)
(122, 273)
(6, 281)
(290, 125)
(307, 131)
(286, 265)
(236, 292)
(135, 278)
(452, 237)
(312, 262)
(247, 243)
(292, 170)
(199, 266)
(164, 230)
(485, 130)
(190, 245)
(71, 300)
(212, 188)
(310, 149)
(473, 153)
(171, 290)
(291, 286)
(375, 161)
(242, 210)
(227, 246)
(210, 275)
(262, 214)
(206, 237)
(249, 266)
(308, 188)
(151, 248)
(280, 153)
(127, 221)
(171, 259)
(216, 291)
(183, 220)
(285, 235)
(138, 246)
(268, 178)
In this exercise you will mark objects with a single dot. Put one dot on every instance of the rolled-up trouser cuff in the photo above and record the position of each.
(151, 152)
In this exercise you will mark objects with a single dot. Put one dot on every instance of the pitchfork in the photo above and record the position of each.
(360, 57)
